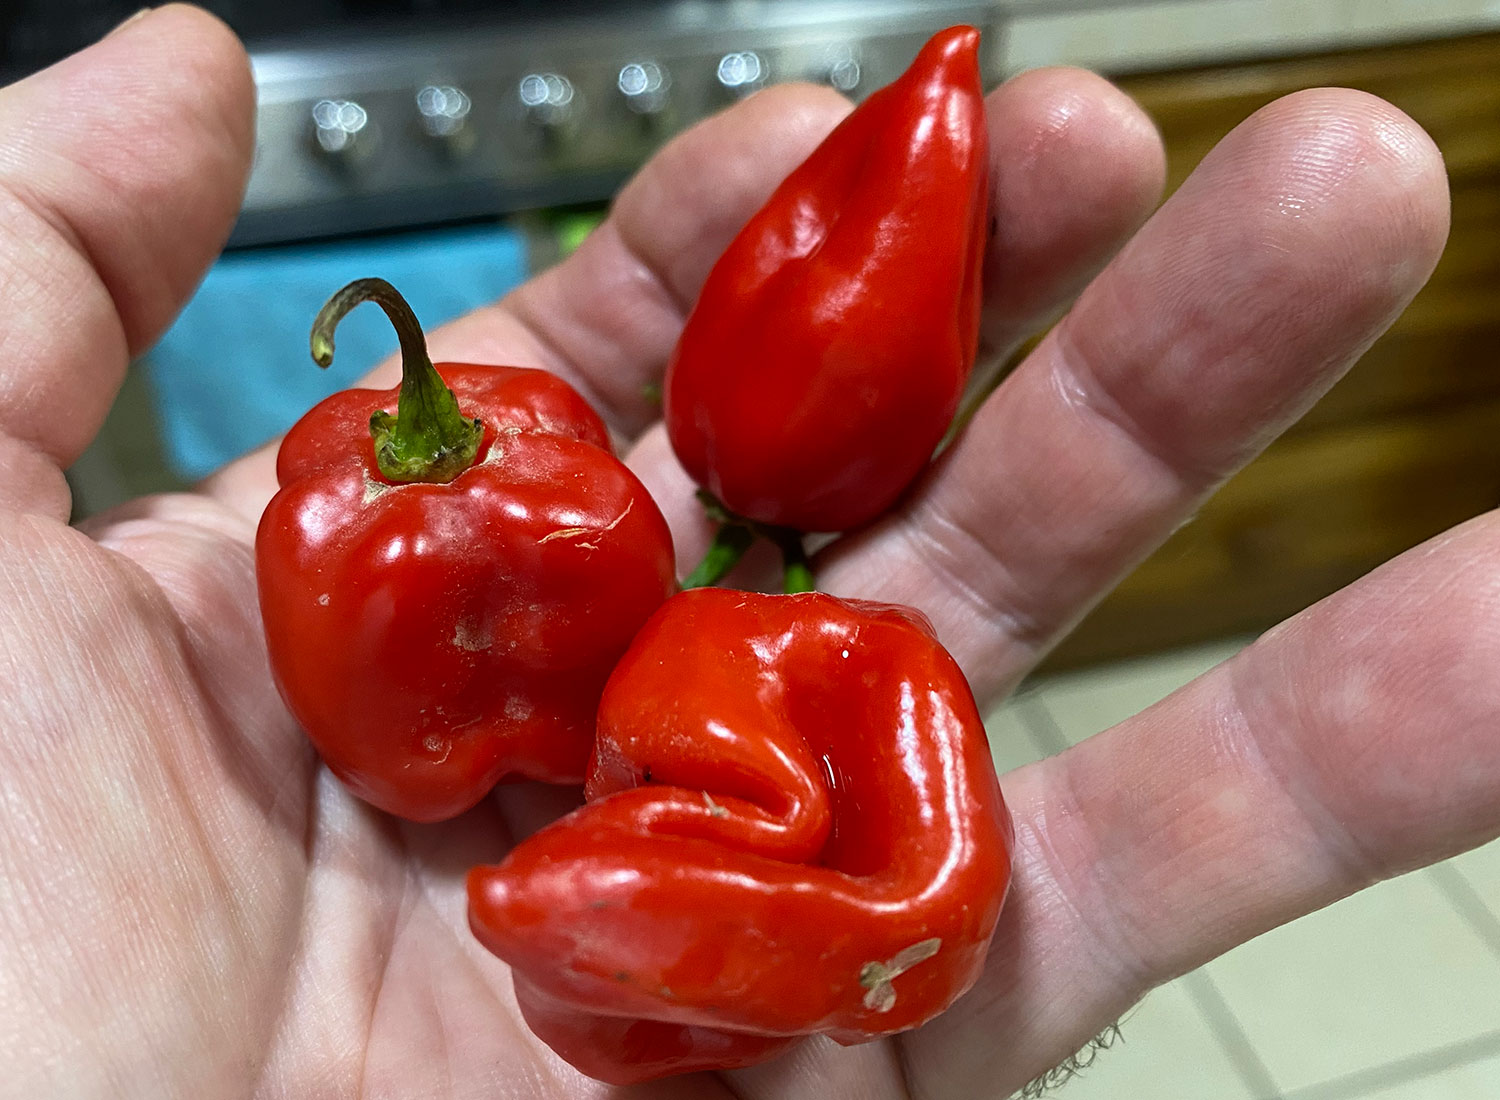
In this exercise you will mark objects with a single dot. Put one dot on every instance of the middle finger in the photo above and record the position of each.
(1294, 244)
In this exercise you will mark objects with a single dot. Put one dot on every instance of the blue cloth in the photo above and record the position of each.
(234, 371)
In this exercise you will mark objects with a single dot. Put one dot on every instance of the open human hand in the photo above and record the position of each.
(193, 907)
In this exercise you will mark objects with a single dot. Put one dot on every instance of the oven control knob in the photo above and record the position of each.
(742, 72)
(444, 113)
(550, 104)
(843, 69)
(644, 84)
(342, 130)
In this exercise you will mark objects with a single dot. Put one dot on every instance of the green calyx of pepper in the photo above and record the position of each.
(735, 535)
(428, 438)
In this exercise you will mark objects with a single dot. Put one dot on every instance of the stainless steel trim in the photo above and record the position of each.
(395, 171)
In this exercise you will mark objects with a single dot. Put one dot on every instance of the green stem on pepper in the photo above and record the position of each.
(796, 570)
(428, 439)
(735, 535)
(731, 541)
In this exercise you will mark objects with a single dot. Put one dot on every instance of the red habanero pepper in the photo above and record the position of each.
(830, 346)
(443, 607)
(793, 827)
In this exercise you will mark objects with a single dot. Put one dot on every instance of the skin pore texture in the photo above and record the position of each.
(193, 907)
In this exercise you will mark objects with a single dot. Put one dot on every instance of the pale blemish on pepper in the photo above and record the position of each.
(565, 533)
(595, 532)
(472, 635)
(496, 454)
(876, 977)
(374, 490)
(714, 809)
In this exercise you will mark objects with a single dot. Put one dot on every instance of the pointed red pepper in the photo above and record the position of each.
(829, 348)
(793, 827)
(445, 589)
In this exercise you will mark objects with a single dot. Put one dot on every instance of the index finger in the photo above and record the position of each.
(1294, 244)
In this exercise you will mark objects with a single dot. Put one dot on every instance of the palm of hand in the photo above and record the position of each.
(243, 864)
(193, 907)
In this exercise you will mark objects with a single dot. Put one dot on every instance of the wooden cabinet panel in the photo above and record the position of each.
(1317, 512)
(1408, 443)
(1449, 86)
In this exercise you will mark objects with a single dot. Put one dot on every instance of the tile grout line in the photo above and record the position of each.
(1461, 894)
(1415, 1067)
(1231, 1037)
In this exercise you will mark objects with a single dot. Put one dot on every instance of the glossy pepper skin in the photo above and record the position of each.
(829, 348)
(432, 638)
(793, 827)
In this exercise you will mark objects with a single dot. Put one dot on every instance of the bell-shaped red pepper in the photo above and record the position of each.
(444, 602)
(793, 827)
(830, 345)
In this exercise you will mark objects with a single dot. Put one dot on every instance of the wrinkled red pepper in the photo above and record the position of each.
(443, 602)
(830, 345)
(793, 827)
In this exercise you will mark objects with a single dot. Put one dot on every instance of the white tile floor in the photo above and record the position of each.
(1393, 994)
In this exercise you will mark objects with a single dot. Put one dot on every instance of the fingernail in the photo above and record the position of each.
(129, 20)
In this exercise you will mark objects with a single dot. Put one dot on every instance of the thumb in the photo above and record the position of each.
(121, 171)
